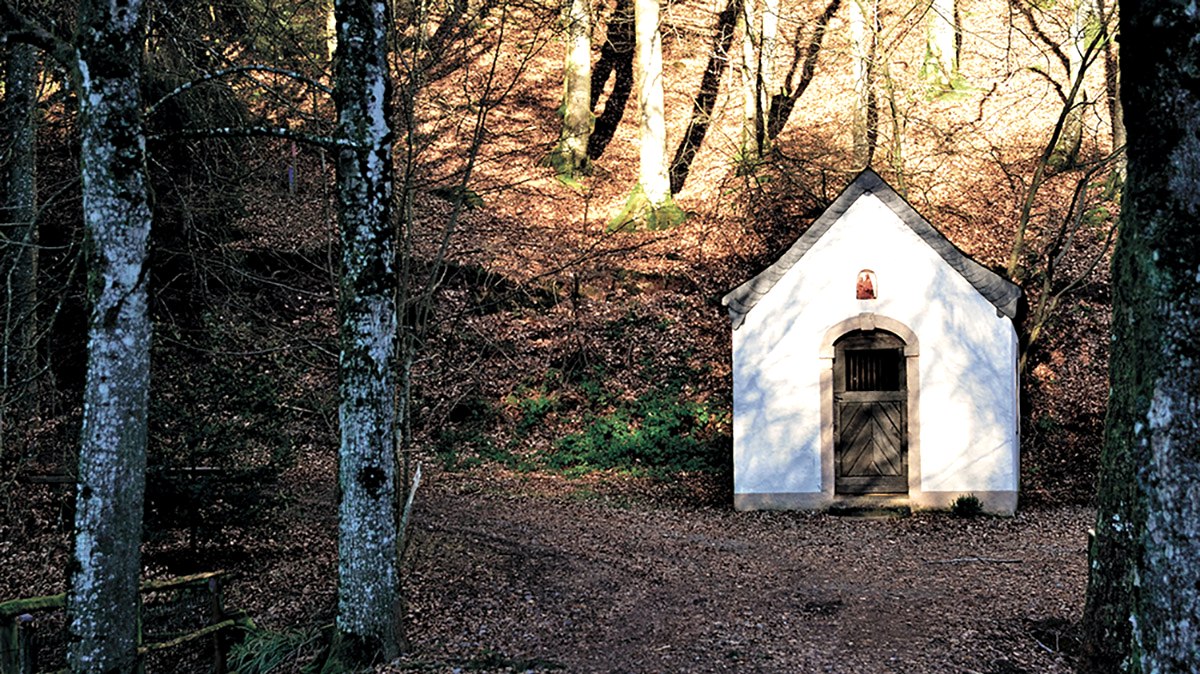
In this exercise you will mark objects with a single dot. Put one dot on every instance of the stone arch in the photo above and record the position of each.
(869, 321)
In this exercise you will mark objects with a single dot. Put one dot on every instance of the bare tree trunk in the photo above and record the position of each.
(570, 158)
(1078, 50)
(941, 43)
(330, 31)
(706, 98)
(102, 599)
(766, 61)
(18, 233)
(1112, 75)
(368, 577)
(863, 17)
(616, 59)
(804, 63)
(751, 84)
(651, 104)
(1143, 603)
(759, 38)
(650, 205)
(1116, 110)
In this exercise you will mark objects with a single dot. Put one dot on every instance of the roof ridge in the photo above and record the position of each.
(1002, 293)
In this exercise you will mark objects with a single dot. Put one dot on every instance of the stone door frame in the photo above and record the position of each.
(868, 322)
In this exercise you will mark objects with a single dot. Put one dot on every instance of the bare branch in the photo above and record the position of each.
(16, 27)
(1025, 11)
(207, 77)
(328, 142)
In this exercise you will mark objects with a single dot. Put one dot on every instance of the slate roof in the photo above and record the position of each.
(999, 291)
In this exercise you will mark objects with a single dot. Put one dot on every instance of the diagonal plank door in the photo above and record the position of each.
(871, 457)
(870, 415)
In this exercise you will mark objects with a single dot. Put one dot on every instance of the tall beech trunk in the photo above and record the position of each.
(18, 232)
(941, 43)
(102, 597)
(651, 104)
(1143, 602)
(570, 158)
(650, 206)
(368, 577)
(864, 126)
(1077, 49)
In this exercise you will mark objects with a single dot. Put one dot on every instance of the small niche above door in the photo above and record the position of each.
(867, 287)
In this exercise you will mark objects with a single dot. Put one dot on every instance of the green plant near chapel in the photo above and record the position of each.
(966, 506)
(660, 432)
(533, 405)
(262, 651)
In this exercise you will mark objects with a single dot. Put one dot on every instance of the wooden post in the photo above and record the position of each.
(26, 646)
(9, 647)
(216, 615)
(17, 653)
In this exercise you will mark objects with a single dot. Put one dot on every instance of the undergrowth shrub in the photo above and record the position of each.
(966, 506)
(533, 405)
(660, 432)
(262, 651)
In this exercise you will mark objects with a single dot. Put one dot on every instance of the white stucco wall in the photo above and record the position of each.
(967, 354)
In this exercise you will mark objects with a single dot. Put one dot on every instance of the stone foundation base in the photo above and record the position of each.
(994, 502)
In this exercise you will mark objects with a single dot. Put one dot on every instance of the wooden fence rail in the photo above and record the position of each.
(18, 652)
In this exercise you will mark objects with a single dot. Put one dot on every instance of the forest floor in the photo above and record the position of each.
(522, 572)
(514, 572)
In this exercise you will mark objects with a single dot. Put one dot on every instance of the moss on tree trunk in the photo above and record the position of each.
(368, 577)
(1143, 604)
(102, 599)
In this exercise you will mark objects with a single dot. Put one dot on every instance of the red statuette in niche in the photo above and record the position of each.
(864, 289)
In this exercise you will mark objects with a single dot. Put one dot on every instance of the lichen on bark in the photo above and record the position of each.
(102, 600)
(1143, 603)
(368, 577)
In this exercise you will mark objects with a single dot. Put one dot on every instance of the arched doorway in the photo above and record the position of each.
(870, 413)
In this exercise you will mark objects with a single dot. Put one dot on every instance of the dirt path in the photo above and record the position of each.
(503, 582)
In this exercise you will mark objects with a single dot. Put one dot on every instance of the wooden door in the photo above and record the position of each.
(870, 399)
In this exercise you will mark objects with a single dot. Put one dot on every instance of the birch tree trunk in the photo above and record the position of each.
(570, 158)
(368, 577)
(1143, 603)
(102, 598)
(941, 43)
(18, 232)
